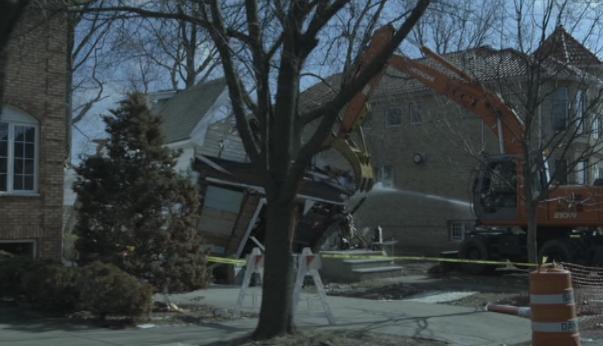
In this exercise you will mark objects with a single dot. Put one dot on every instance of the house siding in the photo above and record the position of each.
(424, 197)
(36, 83)
(423, 200)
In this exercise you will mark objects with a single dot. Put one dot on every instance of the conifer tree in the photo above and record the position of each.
(134, 210)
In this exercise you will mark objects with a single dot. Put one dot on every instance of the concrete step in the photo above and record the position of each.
(367, 263)
(353, 267)
(378, 269)
(360, 252)
(363, 274)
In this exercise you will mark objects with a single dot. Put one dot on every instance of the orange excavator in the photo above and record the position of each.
(569, 218)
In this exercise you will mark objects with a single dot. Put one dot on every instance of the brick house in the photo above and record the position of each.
(33, 136)
(425, 148)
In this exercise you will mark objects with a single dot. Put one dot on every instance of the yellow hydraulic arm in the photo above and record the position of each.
(353, 115)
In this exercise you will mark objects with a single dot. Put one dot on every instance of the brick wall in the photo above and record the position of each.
(36, 84)
(414, 211)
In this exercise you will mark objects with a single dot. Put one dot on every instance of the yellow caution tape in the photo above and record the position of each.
(431, 259)
(240, 262)
(224, 260)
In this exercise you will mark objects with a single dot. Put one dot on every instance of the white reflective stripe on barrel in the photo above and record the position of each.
(570, 326)
(566, 298)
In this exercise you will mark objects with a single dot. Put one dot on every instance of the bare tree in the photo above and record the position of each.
(456, 25)
(563, 84)
(551, 81)
(177, 48)
(277, 40)
(150, 53)
(87, 41)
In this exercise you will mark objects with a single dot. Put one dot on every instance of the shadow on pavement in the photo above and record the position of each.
(13, 317)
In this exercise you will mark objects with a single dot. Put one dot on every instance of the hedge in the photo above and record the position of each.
(101, 289)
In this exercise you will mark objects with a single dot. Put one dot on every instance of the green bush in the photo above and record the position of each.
(12, 270)
(51, 286)
(102, 289)
(107, 290)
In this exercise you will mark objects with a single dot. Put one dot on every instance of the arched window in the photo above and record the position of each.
(19, 137)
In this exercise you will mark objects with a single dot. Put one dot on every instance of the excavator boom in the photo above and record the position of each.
(454, 84)
(354, 113)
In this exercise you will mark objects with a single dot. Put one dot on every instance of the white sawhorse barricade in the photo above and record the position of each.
(255, 265)
(308, 264)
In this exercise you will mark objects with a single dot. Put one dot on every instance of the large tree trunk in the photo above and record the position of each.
(532, 238)
(531, 208)
(277, 292)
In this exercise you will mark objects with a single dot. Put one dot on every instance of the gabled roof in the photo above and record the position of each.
(563, 47)
(182, 112)
(567, 57)
(482, 63)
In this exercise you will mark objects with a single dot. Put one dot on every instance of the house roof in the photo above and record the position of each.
(483, 63)
(563, 47)
(181, 113)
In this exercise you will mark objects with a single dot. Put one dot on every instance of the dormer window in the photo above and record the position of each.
(559, 109)
(18, 152)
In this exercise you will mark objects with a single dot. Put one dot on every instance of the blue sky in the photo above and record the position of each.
(583, 25)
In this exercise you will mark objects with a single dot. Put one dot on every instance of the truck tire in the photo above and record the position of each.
(475, 249)
(558, 250)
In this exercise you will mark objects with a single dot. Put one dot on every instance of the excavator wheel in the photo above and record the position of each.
(475, 249)
(558, 250)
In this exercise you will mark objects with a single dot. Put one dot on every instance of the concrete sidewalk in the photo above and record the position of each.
(453, 324)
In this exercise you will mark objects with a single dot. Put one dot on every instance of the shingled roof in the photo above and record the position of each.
(182, 112)
(563, 47)
(483, 63)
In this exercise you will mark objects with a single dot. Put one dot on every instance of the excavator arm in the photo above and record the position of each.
(454, 84)
(352, 116)
(441, 77)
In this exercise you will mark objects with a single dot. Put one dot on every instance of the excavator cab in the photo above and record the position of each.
(495, 189)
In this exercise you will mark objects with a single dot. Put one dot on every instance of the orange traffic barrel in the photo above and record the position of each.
(553, 308)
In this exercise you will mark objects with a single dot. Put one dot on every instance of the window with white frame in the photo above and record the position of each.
(415, 114)
(559, 105)
(18, 152)
(596, 172)
(560, 172)
(581, 172)
(386, 176)
(393, 117)
(458, 229)
(368, 119)
(580, 111)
